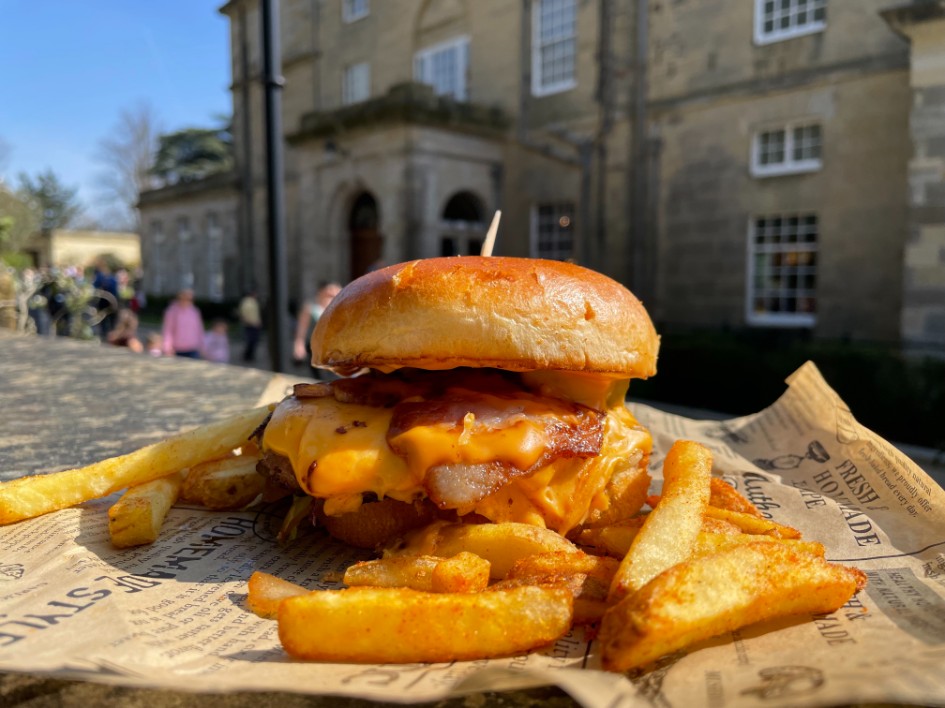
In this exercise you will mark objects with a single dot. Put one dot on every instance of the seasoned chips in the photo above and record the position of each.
(400, 625)
(669, 532)
(228, 483)
(717, 593)
(136, 518)
(702, 562)
(266, 592)
(464, 572)
(500, 544)
(36, 495)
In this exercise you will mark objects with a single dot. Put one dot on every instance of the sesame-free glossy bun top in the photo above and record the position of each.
(518, 314)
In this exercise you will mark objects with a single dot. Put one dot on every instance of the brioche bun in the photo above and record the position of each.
(518, 314)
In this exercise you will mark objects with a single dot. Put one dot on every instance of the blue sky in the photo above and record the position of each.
(69, 67)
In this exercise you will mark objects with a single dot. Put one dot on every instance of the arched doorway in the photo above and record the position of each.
(366, 241)
(463, 226)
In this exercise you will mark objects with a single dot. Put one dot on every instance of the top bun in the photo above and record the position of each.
(518, 314)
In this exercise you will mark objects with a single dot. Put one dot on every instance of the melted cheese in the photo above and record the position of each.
(340, 449)
(569, 492)
(520, 444)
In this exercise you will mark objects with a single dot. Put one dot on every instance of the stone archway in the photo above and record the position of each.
(463, 227)
(367, 244)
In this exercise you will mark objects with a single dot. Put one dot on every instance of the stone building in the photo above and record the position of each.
(923, 293)
(63, 248)
(191, 239)
(737, 163)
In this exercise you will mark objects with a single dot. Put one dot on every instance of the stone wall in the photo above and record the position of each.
(203, 256)
(713, 89)
(923, 293)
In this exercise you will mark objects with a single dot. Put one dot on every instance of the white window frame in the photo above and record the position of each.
(157, 265)
(779, 319)
(354, 10)
(185, 254)
(538, 87)
(214, 257)
(560, 206)
(349, 82)
(458, 44)
(789, 166)
(810, 26)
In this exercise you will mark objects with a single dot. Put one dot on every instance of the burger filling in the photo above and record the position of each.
(546, 448)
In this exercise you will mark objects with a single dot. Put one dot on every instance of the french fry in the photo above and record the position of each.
(749, 523)
(615, 539)
(267, 591)
(464, 572)
(501, 544)
(669, 532)
(136, 518)
(708, 596)
(399, 625)
(564, 564)
(724, 496)
(587, 577)
(33, 496)
(707, 543)
(229, 483)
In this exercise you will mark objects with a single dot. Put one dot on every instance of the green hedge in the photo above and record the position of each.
(900, 397)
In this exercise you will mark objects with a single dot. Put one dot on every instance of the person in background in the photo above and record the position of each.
(251, 320)
(308, 316)
(216, 343)
(125, 289)
(153, 344)
(125, 332)
(182, 327)
(108, 303)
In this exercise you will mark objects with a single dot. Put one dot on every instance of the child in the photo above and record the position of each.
(216, 345)
(153, 344)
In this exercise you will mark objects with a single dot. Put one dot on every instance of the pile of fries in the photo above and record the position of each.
(213, 465)
(701, 562)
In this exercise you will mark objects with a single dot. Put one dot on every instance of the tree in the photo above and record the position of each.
(19, 219)
(193, 154)
(57, 204)
(127, 154)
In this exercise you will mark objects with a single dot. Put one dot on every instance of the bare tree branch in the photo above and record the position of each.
(127, 154)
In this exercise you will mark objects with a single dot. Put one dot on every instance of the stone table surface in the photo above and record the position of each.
(66, 403)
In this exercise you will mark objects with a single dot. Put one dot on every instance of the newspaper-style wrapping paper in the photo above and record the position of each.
(173, 614)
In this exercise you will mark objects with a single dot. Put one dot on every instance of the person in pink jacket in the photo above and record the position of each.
(182, 327)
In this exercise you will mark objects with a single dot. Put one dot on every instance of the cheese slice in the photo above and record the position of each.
(340, 449)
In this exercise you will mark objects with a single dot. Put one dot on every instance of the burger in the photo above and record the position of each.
(480, 389)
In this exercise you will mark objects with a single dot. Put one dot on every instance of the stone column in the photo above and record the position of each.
(922, 22)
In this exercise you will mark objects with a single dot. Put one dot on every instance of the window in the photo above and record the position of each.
(214, 258)
(156, 264)
(786, 150)
(782, 278)
(356, 83)
(185, 256)
(553, 231)
(352, 10)
(444, 67)
(554, 40)
(462, 225)
(776, 20)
